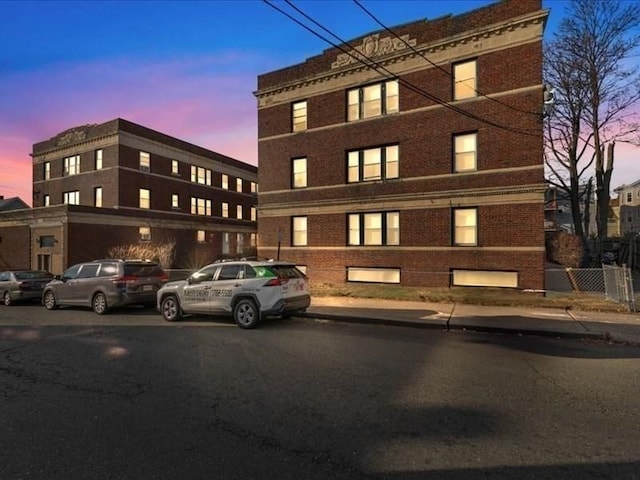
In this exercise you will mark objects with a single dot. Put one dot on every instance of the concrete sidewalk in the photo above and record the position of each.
(555, 322)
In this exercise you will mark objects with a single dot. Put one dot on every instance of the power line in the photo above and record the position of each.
(388, 74)
(445, 71)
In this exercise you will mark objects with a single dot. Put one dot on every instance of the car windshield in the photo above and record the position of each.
(142, 269)
(32, 275)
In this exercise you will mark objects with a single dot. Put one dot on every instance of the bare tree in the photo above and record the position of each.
(588, 64)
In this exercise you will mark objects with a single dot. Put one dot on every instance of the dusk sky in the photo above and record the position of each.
(184, 68)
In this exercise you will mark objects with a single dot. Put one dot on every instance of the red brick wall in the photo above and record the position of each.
(15, 248)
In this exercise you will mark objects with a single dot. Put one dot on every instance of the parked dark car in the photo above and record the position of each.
(21, 285)
(105, 284)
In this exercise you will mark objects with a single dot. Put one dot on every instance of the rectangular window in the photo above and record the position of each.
(299, 230)
(47, 241)
(238, 185)
(225, 242)
(299, 169)
(225, 210)
(46, 200)
(44, 262)
(239, 242)
(374, 228)
(299, 115)
(71, 165)
(225, 181)
(254, 187)
(175, 203)
(200, 175)
(373, 275)
(464, 80)
(373, 100)
(145, 162)
(71, 198)
(145, 233)
(175, 169)
(479, 278)
(201, 236)
(200, 206)
(98, 159)
(379, 163)
(239, 212)
(629, 197)
(254, 239)
(465, 152)
(47, 170)
(465, 226)
(254, 214)
(97, 197)
(144, 198)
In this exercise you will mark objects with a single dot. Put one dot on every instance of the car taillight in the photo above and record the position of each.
(125, 280)
(164, 277)
(276, 282)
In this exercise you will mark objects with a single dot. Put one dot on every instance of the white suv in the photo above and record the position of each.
(249, 290)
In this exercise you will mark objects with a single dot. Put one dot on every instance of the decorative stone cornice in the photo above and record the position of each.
(395, 56)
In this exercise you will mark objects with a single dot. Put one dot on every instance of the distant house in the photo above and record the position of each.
(629, 198)
(13, 203)
(557, 211)
(119, 184)
(613, 218)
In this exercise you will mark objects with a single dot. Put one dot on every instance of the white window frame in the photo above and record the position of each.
(201, 236)
(299, 172)
(465, 227)
(201, 206)
(97, 197)
(145, 161)
(98, 159)
(373, 275)
(224, 182)
(373, 100)
(175, 200)
(46, 200)
(71, 198)
(465, 79)
(71, 165)
(225, 210)
(238, 185)
(373, 229)
(299, 232)
(465, 152)
(145, 234)
(239, 212)
(144, 198)
(254, 214)
(362, 165)
(299, 116)
(47, 171)
(175, 167)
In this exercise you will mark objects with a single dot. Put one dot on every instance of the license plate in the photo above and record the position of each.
(147, 288)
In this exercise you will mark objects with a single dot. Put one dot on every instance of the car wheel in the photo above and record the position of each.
(49, 300)
(7, 299)
(246, 314)
(99, 303)
(170, 309)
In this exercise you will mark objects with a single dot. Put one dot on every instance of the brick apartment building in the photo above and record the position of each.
(424, 168)
(120, 184)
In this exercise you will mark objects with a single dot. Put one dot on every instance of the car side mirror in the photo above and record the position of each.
(189, 280)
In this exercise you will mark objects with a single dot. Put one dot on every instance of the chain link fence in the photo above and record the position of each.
(614, 282)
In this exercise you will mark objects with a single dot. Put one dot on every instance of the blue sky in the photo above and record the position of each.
(185, 68)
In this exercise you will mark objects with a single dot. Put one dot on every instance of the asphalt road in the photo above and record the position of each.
(129, 396)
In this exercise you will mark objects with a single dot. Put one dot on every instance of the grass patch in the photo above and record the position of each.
(473, 296)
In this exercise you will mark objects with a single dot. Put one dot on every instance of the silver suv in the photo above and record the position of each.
(248, 290)
(104, 284)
